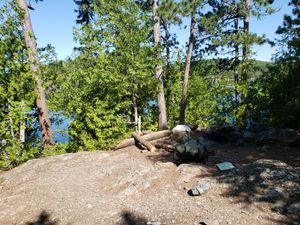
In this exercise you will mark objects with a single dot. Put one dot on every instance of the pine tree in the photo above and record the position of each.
(110, 81)
(187, 67)
(192, 8)
(282, 85)
(41, 104)
(227, 33)
(16, 90)
(85, 11)
(161, 103)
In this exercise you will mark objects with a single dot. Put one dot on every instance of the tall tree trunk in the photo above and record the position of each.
(11, 123)
(161, 102)
(167, 71)
(34, 66)
(22, 131)
(22, 125)
(236, 62)
(134, 105)
(246, 50)
(167, 36)
(246, 29)
(187, 68)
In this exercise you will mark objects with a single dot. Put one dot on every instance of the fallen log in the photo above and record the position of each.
(148, 137)
(145, 143)
(167, 147)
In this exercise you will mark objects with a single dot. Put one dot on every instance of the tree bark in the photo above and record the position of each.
(11, 123)
(22, 131)
(161, 103)
(41, 105)
(236, 62)
(148, 137)
(22, 125)
(134, 105)
(246, 29)
(144, 142)
(167, 147)
(166, 38)
(187, 68)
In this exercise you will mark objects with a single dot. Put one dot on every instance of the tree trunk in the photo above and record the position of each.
(34, 66)
(11, 123)
(167, 147)
(187, 68)
(22, 125)
(246, 49)
(236, 62)
(161, 103)
(246, 29)
(22, 131)
(167, 36)
(141, 140)
(134, 105)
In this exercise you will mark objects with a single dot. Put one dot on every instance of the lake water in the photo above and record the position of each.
(59, 127)
(60, 131)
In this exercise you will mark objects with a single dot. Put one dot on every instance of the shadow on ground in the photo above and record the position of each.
(270, 176)
(263, 174)
(162, 156)
(43, 219)
(270, 181)
(128, 218)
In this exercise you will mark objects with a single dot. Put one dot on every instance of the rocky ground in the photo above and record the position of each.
(131, 186)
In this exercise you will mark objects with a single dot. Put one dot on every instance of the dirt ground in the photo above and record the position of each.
(131, 186)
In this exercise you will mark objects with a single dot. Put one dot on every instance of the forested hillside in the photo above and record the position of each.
(128, 64)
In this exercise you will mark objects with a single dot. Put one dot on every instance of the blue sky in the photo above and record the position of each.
(53, 22)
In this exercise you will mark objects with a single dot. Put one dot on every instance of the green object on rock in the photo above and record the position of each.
(180, 148)
(225, 166)
(191, 150)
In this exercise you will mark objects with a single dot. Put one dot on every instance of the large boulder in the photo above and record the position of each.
(248, 136)
(223, 134)
(267, 137)
(285, 136)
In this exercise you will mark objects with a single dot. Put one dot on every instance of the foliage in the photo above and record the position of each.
(85, 11)
(281, 87)
(223, 33)
(211, 92)
(16, 90)
(173, 84)
(112, 71)
(97, 87)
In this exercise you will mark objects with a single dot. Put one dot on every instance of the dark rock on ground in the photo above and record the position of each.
(285, 136)
(248, 136)
(222, 134)
(231, 134)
